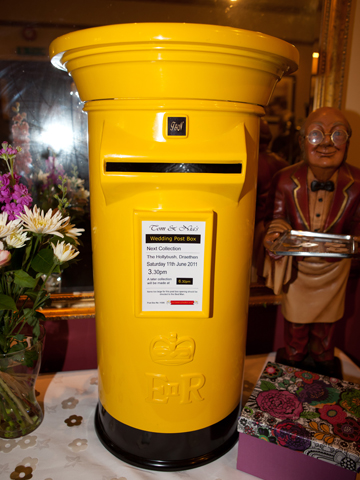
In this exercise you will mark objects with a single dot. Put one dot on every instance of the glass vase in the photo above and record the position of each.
(20, 412)
(53, 283)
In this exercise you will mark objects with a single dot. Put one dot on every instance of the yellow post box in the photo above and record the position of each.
(174, 115)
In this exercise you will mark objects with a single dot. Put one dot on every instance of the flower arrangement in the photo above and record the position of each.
(33, 245)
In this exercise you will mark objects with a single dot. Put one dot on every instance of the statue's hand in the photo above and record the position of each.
(269, 239)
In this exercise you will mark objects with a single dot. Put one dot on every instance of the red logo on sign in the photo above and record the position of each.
(182, 302)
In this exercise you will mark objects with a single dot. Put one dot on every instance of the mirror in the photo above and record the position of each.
(41, 111)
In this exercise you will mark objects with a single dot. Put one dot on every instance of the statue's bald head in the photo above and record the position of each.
(328, 113)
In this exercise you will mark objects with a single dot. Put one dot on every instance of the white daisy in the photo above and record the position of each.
(7, 228)
(64, 251)
(36, 221)
(17, 238)
(72, 232)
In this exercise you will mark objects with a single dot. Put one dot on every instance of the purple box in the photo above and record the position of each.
(299, 425)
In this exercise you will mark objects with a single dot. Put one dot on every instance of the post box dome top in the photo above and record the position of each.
(174, 60)
(164, 33)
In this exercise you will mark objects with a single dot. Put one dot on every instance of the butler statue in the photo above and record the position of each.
(321, 193)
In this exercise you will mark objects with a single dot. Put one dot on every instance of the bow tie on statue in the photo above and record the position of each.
(329, 186)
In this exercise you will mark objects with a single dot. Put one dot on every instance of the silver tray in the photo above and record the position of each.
(312, 244)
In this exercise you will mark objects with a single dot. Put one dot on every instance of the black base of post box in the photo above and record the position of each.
(166, 451)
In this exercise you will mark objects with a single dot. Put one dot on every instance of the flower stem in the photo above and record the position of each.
(35, 306)
(16, 326)
(3, 412)
(14, 400)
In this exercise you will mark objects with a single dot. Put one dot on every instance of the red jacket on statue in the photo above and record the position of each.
(288, 199)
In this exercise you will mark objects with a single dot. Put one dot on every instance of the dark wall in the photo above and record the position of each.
(69, 345)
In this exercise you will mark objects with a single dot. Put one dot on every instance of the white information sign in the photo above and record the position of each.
(172, 265)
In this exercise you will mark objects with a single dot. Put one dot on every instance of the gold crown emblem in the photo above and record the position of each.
(172, 350)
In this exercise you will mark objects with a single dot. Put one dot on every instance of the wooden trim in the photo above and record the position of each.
(74, 306)
(261, 296)
(329, 83)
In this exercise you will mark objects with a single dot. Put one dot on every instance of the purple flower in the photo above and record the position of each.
(19, 191)
(54, 172)
(292, 435)
(280, 404)
(12, 210)
(8, 150)
(21, 195)
(13, 197)
(317, 393)
(16, 176)
(4, 180)
(5, 194)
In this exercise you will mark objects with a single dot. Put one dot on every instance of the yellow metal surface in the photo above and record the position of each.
(172, 370)
(134, 388)
(174, 61)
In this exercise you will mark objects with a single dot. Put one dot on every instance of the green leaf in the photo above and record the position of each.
(40, 316)
(265, 386)
(30, 357)
(20, 337)
(23, 279)
(36, 332)
(30, 317)
(18, 347)
(309, 415)
(6, 302)
(44, 261)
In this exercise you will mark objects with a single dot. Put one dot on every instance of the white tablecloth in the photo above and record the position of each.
(65, 446)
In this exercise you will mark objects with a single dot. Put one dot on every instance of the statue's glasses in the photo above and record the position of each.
(338, 137)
